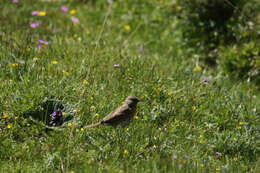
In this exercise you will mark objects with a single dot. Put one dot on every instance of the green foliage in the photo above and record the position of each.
(242, 61)
(217, 27)
(204, 22)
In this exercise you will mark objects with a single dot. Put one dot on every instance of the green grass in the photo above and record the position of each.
(183, 124)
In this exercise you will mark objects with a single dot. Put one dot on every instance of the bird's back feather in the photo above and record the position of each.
(122, 112)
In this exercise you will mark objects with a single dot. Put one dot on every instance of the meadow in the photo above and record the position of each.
(87, 57)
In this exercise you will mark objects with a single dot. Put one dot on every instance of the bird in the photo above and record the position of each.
(120, 116)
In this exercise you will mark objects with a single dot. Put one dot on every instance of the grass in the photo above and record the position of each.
(183, 124)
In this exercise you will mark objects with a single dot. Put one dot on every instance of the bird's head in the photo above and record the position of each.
(132, 100)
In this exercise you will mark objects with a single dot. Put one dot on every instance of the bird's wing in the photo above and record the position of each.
(121, 111)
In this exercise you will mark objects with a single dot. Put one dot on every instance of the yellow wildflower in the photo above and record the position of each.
(92, 108)
(238, 127)
(70, 124)
(54, 62)
(158, 89)
(97, 115)
(178, 8)
(73, 11)
(14, 65)
(5, 115)
(125, 152)
(85, 82)
(9, 126)
(127, 27)
(82, 129)
(202, 165)
(202, 139)
(170, 93)
(241, 123)
(218, 169)
(197, 68)
(75, 110)
(35, 59)
(194, 108)
(65, 72)
(136, 117)
(41, 13)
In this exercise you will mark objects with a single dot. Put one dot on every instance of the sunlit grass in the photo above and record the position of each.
(192, 119)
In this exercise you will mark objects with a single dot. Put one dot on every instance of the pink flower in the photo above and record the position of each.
(116, 65)
(39, 46)
(43, 42)
(15, 1)
(64, 9)
(35, 13)
(35, 25)
(74, 19)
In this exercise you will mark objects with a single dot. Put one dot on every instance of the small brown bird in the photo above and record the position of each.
(121, 116)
